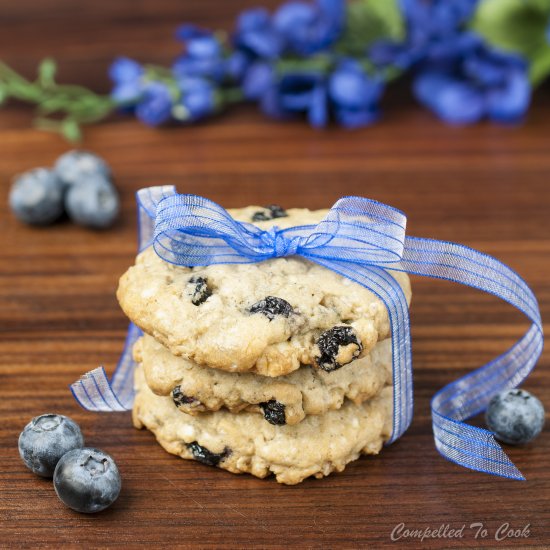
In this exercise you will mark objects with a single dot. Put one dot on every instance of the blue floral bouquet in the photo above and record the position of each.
(324, 60)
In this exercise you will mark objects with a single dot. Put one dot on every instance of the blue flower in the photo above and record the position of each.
(429, 23)
(308, 28)
(127, 76)
(348, 94)
(256, 35)
(385, 53)
(452, 99)
(203, 54)
(199, 42)
(434, 32)
(236, 65)
(155, 105)
(258, 79)
(296, 27)
(198, 99)
(354, 94)
(124, 69)
(480, 82)
(298, 93)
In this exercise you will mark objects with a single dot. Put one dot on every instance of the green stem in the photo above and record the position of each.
(75, 104)
(232, 95)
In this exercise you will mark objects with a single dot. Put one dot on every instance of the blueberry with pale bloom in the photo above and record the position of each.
(515, 416)
(36, 197)
(87, 480)
(45, 439)
(93, 203)
(73, 166)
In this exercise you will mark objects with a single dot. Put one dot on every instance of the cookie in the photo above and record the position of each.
(267, 318)
(245, 443)
(284, 400)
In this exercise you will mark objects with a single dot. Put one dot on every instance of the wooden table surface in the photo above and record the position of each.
(486, 186)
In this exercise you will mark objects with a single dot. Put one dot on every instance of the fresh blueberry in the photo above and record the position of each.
(337, 346)
(93, 202)
(201, 292)
(515, 416)
(46, 439)
(87, 480)
(36, 197)
(74, 166)
(202, 454)
(271, 306)
(274, 412)
(269, 213)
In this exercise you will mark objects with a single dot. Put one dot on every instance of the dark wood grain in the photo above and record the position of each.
(486, 186)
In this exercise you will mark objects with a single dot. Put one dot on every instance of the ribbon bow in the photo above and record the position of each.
(360, 239)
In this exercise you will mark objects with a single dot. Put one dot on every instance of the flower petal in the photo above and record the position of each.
(204, 47)
(318, 109)
(453, 100)
(126, 92)
(352, 88)
(510, 102)
(156, 105)
(257, 80)
(124, 69)
(356, 118)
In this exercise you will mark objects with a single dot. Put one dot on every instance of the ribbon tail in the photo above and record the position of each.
(471, 447)
(466, 445)
(95, 392)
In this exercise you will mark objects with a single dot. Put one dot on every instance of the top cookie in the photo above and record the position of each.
(268, 317)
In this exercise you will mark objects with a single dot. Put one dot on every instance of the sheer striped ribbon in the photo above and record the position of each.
(360, 239)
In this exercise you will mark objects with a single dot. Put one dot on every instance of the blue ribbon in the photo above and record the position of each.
(360, 239)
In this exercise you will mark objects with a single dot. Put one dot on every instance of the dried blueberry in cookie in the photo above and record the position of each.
(272, 306)
(202, 454)
(337, 347)
(270, 213)
(180, 398)
(274, 412)
(201, 291)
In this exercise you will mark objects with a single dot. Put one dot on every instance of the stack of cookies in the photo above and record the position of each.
(279, 367)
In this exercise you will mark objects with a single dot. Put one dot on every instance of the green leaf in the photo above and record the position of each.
(369, 21)
(518, 26)
(321, 63)
(46, 72)
(540, 66)
(52, 104)
(71, 130)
